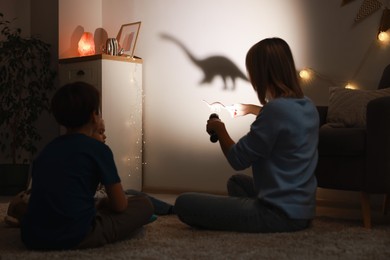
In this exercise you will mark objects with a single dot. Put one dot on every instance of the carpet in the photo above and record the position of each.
(168, 238)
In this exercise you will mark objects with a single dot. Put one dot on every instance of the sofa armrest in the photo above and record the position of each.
(322, 112)
(378, 145)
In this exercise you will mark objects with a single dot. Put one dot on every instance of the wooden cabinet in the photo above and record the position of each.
(119, 79)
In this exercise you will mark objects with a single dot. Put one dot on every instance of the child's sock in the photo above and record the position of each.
(152, 218)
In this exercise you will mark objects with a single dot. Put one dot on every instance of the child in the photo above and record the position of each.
(100, 131)
(61, 211)
(99, 134)
(18, 205)
(281, 148)
(160, 207)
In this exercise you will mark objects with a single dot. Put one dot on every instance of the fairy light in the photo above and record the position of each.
(309, 74)
(384, 37)
(384, 25)
(306, 74)
(133, 159)
(351, 86)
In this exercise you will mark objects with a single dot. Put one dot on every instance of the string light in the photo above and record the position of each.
(384, 25)
(384, 37)
(351, 86)
(133, 159)
(307, 75)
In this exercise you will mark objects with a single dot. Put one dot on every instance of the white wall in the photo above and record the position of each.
(177, 151)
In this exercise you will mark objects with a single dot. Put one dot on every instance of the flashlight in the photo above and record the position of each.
(213, 135)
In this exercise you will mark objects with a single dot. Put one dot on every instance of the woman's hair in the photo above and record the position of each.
(271, 69)
(74, 103)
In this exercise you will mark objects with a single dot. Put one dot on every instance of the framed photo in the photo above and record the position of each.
(127, 37)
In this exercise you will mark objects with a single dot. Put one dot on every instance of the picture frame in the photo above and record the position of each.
(127, 37)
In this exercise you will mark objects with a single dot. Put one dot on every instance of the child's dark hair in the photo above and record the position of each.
(73, 104)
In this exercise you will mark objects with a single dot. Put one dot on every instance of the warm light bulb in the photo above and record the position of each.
(305, 74)
(383, 37)
(350, 86)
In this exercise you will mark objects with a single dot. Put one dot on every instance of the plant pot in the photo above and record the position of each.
(13, 178)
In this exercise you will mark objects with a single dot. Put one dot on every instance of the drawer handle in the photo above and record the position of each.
(80, 73)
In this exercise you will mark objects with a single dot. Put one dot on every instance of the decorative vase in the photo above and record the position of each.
(112, 47)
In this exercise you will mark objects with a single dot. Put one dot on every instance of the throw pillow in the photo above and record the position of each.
(347, 107)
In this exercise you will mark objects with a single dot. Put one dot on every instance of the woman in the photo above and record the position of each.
(281, 148)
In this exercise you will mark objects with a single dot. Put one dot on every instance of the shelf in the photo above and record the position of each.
(101, 57)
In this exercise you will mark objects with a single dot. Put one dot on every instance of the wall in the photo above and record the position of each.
(17, 11)
(76, 17)
(177, 151)
(44, 24)
(40, 19)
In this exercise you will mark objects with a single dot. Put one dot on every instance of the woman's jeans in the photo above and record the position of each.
(241, 211)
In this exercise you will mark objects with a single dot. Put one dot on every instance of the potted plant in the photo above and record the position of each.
(26, 81)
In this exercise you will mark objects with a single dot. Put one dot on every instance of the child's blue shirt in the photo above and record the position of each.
(65, 176)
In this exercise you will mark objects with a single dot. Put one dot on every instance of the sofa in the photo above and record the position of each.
(354, 143)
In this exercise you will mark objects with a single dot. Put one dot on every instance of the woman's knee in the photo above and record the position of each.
(240, 185)
(182, 201)
(189, 202)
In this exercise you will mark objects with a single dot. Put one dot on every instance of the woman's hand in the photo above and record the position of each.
(214, 125)
(239, 109)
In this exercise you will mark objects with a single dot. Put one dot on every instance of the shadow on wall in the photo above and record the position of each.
(212, 66)
(100, 37)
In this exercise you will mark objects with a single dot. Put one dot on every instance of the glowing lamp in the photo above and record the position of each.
(384, 25)
(305, 74)
(350, 86)
(383, 37)
(86, 44)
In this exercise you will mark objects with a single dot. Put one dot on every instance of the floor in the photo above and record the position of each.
(324, 208)
(328, 209)
(170, 198)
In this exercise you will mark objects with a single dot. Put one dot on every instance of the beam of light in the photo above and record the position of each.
(216, 107)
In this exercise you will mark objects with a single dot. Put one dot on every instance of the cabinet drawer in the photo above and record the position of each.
(82, 74)
(87, 72)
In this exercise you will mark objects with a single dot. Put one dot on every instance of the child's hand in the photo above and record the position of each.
(101, 203)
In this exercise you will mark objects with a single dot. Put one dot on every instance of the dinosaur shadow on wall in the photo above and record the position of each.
(212, 66)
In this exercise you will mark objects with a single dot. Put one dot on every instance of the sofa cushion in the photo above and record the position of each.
(347, 107)
(341, 141)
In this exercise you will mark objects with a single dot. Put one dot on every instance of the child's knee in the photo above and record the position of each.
(141, 202)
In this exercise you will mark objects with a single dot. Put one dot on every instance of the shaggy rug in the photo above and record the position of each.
(168, 238)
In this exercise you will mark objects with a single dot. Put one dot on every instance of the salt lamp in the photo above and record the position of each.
(86, 44)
